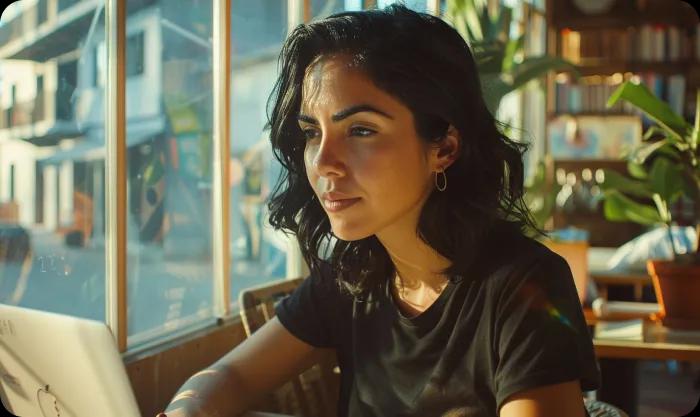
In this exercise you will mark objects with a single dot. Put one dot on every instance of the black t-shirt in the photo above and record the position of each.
(513, 323)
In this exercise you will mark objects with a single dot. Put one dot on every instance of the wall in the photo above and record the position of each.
(156, 376)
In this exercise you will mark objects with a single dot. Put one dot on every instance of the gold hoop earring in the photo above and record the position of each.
(444, 180)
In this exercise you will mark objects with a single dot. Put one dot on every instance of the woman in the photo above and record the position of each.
(407, 203)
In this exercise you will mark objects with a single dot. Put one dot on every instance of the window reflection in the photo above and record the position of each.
(258, 254)
(52, 156)
(51, 160)
(169, 178)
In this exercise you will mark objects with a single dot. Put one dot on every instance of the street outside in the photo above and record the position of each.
(163, 293)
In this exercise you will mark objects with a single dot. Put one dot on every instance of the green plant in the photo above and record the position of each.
(500, 59)
(504, 68)
(663, 168)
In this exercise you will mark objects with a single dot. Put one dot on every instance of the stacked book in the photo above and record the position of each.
(646, 43)
(590, 94)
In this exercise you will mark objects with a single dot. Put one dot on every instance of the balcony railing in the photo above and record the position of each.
(30, 18)
(27, 112)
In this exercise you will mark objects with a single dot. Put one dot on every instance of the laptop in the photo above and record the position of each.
(52, 365)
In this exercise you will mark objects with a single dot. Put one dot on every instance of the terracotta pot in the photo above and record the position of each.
(677, 290)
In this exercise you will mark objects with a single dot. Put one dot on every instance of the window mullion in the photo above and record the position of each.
(221, 138)
(115, 166)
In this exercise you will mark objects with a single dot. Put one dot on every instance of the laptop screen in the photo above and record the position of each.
(57, 365)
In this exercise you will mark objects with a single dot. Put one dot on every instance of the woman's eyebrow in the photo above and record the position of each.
(346, 113)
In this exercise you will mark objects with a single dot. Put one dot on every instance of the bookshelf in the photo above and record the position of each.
(655, 42)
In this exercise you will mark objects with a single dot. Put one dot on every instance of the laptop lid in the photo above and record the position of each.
(54, 365)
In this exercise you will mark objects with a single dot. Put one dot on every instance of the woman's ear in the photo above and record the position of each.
(447, 150)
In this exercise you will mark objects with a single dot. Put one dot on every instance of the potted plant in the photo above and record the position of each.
(664, 168)
(500, 59)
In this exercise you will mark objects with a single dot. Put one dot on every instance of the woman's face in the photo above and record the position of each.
(363, 158)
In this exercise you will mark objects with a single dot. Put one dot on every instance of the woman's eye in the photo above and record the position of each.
(309, 133)
(361, 131)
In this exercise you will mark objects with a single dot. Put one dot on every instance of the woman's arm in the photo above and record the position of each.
(241, 378)
(565, 399)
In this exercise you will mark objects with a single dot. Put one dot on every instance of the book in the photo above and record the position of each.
(620, 330)
(676, 93)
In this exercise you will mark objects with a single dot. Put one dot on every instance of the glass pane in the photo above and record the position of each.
(52, 211)
(323, 8)
(169, 158)
(353, 5)
(417, 5)
(258, 253)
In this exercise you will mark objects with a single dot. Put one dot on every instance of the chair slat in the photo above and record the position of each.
(314, 392)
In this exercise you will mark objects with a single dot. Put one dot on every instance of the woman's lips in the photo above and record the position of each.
(335, 206)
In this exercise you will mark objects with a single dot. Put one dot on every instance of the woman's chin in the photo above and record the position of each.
(350, 233)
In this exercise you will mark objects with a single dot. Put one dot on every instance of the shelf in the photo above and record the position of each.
(624, 13)
(608, 68)
(616, 22)
(554, 115)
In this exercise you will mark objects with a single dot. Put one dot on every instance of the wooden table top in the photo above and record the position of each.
(655, 342)
(621, 278)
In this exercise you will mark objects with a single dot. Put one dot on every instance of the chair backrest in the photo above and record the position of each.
(576, 255)
(314, 392)
(597, 408)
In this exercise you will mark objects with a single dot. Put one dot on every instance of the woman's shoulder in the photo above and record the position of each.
(325, 281)
(508, 251)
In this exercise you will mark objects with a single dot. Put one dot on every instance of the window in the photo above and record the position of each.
(12, 182)
(10, 109)
(38, 108)
(66, 84)
(42, 11)
(169, 174)
(64, 4)
(169, 140)
(417, 5)
(258, 254)
(135, 59)
(39, 85)
(53, 165)
(97, 67)
(134, 54)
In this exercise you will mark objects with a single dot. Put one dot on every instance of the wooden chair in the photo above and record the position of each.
(314, 392)
(597, 408)
(576, 255)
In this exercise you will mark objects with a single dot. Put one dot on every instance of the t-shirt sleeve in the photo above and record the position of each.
(541, 333)
(312, 312)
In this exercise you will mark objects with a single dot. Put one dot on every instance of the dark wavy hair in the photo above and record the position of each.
(424, 63)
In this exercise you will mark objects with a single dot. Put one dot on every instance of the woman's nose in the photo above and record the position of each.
(329, 160)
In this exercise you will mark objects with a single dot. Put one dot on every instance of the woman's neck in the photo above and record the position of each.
(418, 265)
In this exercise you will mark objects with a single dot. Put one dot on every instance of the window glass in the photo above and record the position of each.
(134, 63)
(66, 4)
(258, 253)
(51, 161)
(323, 8)
(169, 166)
(134, 53)
(352, 5)
(417, 5)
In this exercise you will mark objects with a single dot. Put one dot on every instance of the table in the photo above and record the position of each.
(657, 343)
(619, 358)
